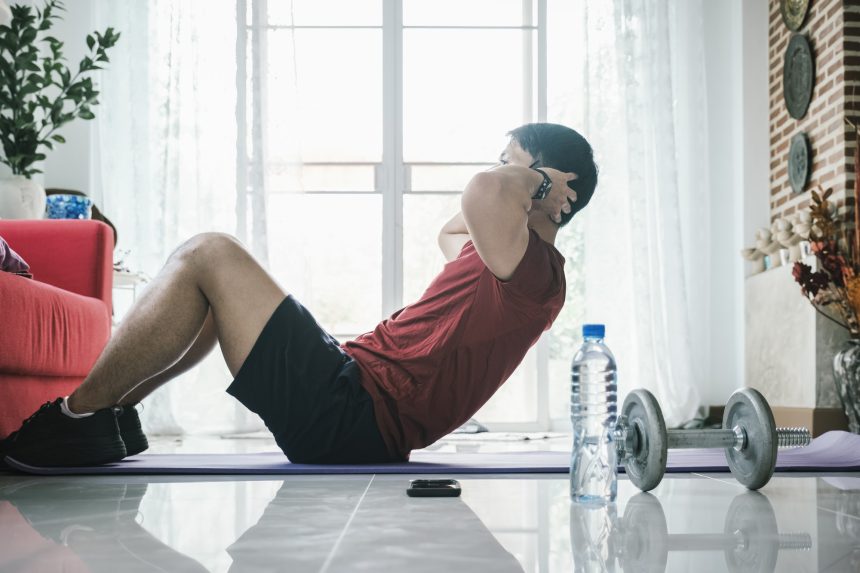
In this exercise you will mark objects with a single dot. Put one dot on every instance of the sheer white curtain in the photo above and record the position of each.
(645, 234)
(165, 167)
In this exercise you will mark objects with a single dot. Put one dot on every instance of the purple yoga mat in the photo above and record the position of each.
(834, 451)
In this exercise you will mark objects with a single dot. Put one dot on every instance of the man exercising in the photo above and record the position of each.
(417, 376)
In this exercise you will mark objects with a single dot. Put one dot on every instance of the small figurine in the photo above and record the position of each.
(756, 257)
(766, 243)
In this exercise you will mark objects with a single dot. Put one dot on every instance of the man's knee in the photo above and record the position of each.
(208, 247)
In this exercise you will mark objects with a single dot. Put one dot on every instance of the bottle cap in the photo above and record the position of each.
(593, 331)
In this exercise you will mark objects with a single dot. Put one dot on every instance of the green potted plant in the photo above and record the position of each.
(38, 95)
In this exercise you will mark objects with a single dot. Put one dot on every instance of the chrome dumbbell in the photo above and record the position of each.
(749, 436)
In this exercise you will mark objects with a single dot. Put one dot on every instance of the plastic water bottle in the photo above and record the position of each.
(593, 411)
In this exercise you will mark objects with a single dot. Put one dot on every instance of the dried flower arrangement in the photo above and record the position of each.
(833, 289)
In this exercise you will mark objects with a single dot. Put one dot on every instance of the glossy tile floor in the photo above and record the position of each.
(367, 523)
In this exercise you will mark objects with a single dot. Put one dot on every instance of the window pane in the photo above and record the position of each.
(347, 336)
(443, 177)
(466, 13)
(327, 251)
(423, 216)
(325, 12)
(297, 177)
(567, 63)
(516, 401)
(328, 107)
(463, 90)
(559, 385)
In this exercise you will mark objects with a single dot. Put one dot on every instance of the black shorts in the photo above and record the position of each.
(307, 391)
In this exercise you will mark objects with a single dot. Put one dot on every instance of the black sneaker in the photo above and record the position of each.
(129, 428)
(49, 438)
(3, 466)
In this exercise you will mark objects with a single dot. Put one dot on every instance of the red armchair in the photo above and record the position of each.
(52, 327)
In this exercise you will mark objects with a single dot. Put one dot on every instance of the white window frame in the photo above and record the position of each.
(393, 179)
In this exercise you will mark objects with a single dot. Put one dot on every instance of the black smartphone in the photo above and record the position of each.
(433, 488)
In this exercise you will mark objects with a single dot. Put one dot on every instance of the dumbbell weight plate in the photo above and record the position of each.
(753, 465)
(751, 519)
(646, 466)
(644, 535)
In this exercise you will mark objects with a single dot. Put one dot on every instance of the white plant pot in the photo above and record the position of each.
(21, 198)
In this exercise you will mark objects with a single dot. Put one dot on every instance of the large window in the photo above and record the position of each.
(365, 119)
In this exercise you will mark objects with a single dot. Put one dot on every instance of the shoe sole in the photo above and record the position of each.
(89, 453)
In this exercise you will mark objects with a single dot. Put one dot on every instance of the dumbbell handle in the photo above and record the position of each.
(733, 438)
(715, 541)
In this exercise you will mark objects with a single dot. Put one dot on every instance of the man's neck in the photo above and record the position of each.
(546, 229)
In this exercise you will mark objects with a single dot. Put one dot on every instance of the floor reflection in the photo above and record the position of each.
(839, 531)
(49, 527)
(640, 540)
(390, 532)
(66, 525)
(367, 523)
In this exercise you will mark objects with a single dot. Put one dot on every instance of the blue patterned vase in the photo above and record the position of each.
(69, 207)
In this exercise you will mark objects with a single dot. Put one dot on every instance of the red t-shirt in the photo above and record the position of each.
(434, 363)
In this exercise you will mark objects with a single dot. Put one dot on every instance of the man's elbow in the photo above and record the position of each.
(447, 244)
(482, 185)
(484, 189)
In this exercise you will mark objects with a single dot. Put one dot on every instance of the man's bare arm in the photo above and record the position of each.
(453, 236)
(496, 206)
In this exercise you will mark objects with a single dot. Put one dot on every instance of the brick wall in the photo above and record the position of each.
(833, 30)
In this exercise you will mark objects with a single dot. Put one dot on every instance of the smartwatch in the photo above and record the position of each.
(545, 186)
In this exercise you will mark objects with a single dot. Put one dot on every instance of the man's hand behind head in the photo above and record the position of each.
(561, 196)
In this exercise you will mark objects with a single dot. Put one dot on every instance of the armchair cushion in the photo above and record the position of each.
(73, 255)
(48, 331)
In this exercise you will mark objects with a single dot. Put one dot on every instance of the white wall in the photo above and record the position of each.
(736, 44)
(755, 152)
(723, 374)
(68, 165)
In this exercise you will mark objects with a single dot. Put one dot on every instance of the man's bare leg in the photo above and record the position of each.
(212, 270)
(206, 340)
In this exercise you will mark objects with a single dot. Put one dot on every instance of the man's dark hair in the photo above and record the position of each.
(561, 148)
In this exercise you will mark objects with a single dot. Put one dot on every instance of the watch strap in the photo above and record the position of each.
(545, 186)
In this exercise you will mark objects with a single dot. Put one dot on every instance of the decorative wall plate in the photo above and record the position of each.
(798, 76)
(794, 13)
(799, 162)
